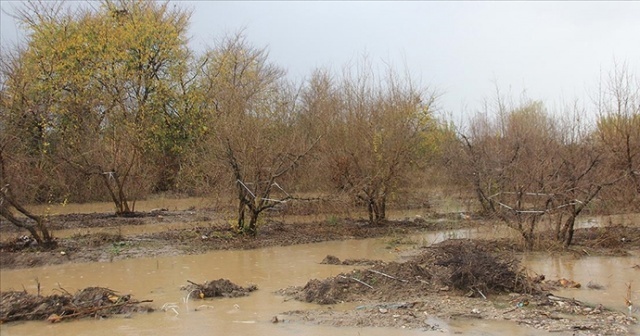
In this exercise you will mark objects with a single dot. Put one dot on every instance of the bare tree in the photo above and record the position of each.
(618, 132)
(374, 134)
(253, 138)
(504, 158)
(579, 174)
(525, 166)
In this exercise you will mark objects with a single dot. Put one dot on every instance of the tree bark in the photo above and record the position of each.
(43, 238)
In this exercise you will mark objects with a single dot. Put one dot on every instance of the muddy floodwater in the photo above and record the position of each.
(614, 274)
(159, 279)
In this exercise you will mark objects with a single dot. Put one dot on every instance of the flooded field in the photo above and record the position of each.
(277, 267)
(271, 269)
(614, 274)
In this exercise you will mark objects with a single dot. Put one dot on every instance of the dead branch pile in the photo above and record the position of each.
(468, 266)
(463, 265)
(91, 301)
(217, 288)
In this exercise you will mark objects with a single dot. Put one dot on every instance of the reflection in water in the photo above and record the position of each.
(271, 269)
(611, 220)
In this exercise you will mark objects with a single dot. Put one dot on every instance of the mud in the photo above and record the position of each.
(333, 260)
(565, 317)
(201, 233)
(19, 251)
(456, 279)
(460, 266)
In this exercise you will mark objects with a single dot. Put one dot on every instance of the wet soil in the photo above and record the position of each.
(18, 251)
(431, 312)
(406, 294)
(203, 234)
(456, 279)
(453, 265)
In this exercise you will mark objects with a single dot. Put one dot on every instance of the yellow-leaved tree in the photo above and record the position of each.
(107, 86)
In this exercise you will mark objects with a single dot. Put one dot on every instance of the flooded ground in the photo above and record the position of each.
(271, 269)
(274, 268)
(614, 274)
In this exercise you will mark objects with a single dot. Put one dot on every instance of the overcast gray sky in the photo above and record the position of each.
(556, 51)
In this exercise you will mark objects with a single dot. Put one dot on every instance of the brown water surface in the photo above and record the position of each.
(273, 268)
(615, 274)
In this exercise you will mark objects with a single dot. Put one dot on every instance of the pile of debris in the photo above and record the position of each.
(216, 288)
(465, 266)
(89, 302)
(469, 265)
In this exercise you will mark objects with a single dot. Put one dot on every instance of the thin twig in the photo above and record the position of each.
(354, 279)
(62, 290)
(387, 275)
(193, 283)
(479, 291)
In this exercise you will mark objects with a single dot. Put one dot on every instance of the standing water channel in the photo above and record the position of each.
(160, 279)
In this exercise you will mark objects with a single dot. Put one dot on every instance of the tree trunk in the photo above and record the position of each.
(370, 206)
(4, 212)
(119, 199)
(376, 207)
(526, 230)
(252, 229)
(43, 237)
(528, 240)
(558, 228)
(241, 213)
(382, 208)
(568, 230)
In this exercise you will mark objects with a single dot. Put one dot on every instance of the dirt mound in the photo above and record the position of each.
(461, 265)
(333, 260)
(217, 288)
(91, 301)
